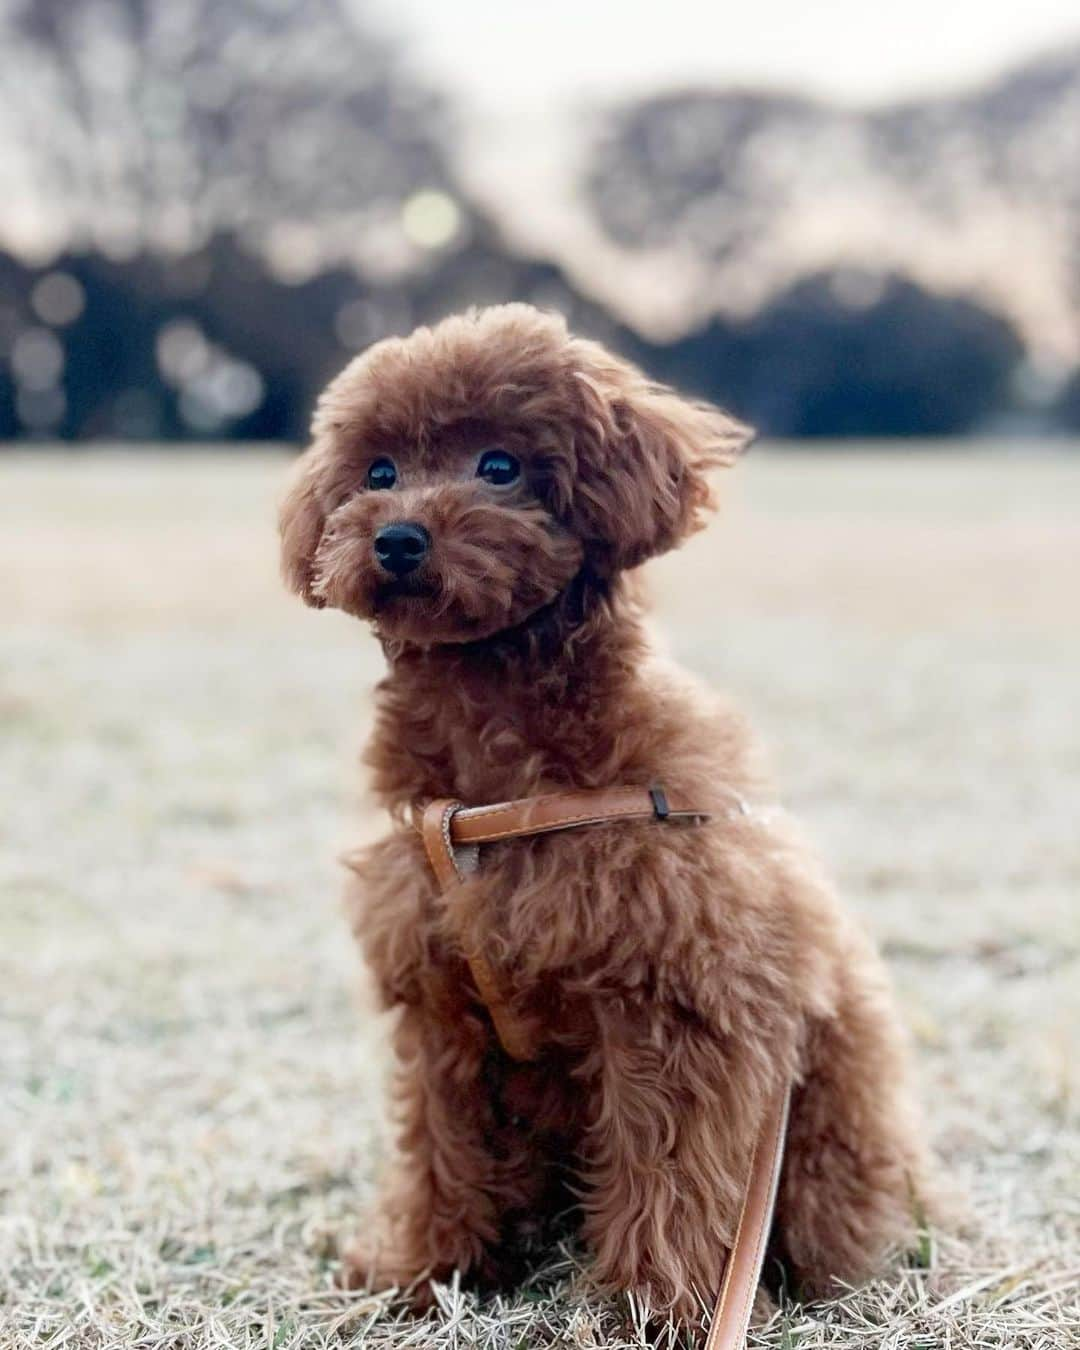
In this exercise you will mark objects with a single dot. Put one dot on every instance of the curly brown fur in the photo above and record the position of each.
(675, 976)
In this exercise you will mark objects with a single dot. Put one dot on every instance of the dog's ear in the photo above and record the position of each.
(642, 455)
(301, 520)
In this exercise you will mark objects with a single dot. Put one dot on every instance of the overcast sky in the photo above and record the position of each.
(522, 52)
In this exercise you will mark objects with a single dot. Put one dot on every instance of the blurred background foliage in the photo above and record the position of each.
(206, 207)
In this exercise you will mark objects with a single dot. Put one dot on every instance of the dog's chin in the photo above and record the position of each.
(422, 617)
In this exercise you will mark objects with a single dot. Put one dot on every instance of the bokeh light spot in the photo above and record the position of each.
(37, 359)
(182, 351)
(226, 391)
(362, 322)
(430, 218)
(58, 299)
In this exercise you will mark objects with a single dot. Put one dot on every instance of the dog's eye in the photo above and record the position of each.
(497, 467)
(382, 474)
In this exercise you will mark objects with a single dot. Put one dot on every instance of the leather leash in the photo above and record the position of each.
(452, 834)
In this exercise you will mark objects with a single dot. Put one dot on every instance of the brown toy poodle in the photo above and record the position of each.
(477, 491)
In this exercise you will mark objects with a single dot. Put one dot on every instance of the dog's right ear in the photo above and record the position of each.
(643, 453)
(301, 521)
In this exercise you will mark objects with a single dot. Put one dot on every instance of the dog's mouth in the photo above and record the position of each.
(410, 587)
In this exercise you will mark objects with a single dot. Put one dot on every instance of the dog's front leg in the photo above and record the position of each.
(666, 1153)
(440, 1206)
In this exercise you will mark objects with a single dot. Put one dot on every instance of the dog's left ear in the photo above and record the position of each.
(301, 521)
(642, 455)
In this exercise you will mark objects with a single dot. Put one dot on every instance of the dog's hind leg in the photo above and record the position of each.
(855, 1173)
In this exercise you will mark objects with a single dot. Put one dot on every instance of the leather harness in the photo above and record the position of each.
(452, 835)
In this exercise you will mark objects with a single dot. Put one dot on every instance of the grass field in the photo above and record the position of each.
(190, 1074)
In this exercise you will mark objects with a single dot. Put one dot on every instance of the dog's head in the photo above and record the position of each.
(461, 478)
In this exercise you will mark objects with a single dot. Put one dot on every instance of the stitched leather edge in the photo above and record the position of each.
(549, 798)
(438, 845)
(563, 822)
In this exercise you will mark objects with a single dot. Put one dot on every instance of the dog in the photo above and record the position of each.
(479, 492)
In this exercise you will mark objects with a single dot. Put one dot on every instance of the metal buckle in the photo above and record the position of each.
(659, 800)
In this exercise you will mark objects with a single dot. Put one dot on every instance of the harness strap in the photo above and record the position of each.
(452, 834)
(742, 1270)
(452, 862)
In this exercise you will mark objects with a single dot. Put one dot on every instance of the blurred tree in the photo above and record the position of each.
(12, 285)
(849, 353)
(688, 165)
(1068, 409)
(144, 123)
(845, 354)
(980, 188)
(235, 195)
(213, 345)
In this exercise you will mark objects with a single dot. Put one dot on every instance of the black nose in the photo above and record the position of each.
(400, 547)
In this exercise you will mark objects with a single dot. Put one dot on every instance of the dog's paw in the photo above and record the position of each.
(373, 1266)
